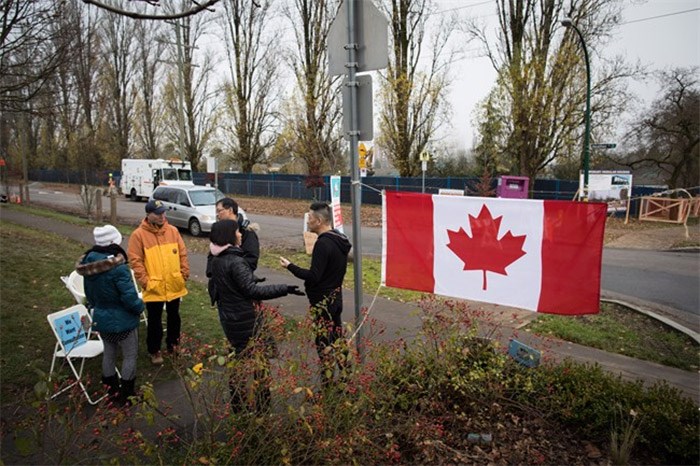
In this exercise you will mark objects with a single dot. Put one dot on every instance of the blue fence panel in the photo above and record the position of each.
(561, 190)
(294, 186)
(92, 178)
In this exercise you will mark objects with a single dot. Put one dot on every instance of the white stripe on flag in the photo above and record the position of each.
(521, 286)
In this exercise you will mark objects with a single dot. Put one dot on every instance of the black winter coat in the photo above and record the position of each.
(233, 289)
(329, 261)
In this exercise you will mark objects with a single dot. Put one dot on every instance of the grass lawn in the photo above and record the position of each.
(616, 329)
(32, 262)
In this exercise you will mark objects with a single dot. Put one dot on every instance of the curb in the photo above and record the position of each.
(664, 320)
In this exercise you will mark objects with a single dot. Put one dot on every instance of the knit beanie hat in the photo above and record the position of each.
(106, 235)
(223, 232)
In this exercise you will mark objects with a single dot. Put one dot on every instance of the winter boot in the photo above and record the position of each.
(127, 390)
(112, 384)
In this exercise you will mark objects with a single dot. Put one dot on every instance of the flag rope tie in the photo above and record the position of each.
(369, 309)
(370, 187)
(354, 183)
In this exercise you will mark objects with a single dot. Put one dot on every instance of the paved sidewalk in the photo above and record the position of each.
(401, 319)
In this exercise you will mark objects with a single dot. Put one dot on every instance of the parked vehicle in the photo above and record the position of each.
(141, 176)
(191, 207)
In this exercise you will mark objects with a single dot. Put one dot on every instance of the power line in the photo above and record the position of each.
(621, 24)
(465, 6)
(659, 16)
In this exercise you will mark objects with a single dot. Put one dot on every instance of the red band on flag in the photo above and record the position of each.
(572, 254)
(409, 241)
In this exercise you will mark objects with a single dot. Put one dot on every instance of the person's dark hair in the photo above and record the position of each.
(228, 203)
(223, 232)
(322, 211)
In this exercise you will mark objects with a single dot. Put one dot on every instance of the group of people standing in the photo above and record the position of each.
(158, 257)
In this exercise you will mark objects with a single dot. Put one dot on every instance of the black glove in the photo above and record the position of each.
(293, 289)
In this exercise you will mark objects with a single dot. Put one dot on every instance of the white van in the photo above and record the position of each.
(141, 176)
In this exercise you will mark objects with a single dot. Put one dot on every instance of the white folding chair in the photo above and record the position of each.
(74, 283)
(144, 319)
(74, 340)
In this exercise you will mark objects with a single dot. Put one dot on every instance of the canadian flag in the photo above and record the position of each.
(544, 256)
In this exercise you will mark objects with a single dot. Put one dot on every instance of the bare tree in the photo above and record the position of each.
(541, 72)
(148, 108)
(118, 35)
(84, 68)
(316, 116)
(667, 134)
(415, 86)
(31, 47)
(186, 9)
(250, 95)
(32, 44)
(187, 92)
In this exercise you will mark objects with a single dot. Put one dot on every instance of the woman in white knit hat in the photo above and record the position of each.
(111, 292)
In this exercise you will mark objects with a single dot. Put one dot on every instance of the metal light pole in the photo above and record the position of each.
(355, 192)
(566, 22)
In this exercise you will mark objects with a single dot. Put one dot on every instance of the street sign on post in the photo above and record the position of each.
(371, 36)
(365, 120)
(604, 146)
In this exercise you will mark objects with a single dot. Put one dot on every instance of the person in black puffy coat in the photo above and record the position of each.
(233, 289)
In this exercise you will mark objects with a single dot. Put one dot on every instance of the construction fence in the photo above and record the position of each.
(295, 186)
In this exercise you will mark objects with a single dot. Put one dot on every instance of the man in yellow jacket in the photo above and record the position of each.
(158, 257)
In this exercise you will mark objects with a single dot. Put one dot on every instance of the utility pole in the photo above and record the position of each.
(357, 42)
(355, 191)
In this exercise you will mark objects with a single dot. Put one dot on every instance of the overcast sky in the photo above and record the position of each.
(660, 33)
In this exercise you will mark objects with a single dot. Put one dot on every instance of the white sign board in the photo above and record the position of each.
(335, 204)
(211, 164)
(450, 192)
(611, 186)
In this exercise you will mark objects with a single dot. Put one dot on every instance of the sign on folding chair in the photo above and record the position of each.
(74, 340)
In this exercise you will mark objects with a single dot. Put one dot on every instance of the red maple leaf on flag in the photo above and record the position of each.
(483, 250)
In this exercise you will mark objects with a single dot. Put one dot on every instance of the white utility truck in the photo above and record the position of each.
(141, 176)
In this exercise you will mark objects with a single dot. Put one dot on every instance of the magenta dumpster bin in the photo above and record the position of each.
(513, 187)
